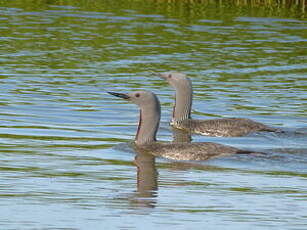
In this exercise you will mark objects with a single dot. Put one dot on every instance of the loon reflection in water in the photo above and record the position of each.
(147, 179)
(145, 140)
(223, 127)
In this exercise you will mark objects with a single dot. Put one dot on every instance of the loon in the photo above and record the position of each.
(145, 139)
(222, 127)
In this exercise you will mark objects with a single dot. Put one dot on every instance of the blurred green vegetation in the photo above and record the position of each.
(190, 8)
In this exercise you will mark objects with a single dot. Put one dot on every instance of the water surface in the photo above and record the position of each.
(65, 158)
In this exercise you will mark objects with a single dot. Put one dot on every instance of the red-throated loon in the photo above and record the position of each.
(223, 127)
(145, 139)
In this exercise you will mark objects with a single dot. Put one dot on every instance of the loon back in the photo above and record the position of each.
(197, 151)
(224, 127)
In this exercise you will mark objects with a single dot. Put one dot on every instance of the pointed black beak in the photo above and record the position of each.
(153, 73)
(121, 95)
(163, 76)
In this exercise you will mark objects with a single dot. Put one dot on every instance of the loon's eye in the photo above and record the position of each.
(169, 76)
(137, 94)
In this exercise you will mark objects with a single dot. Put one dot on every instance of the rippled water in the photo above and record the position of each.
(65, 158)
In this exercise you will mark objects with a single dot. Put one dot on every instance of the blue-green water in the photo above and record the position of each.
(65, 158)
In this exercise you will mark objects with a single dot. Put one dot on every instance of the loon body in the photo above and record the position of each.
(223, 127)
(145, 139)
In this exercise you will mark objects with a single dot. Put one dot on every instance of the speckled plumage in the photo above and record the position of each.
(198, 151)
(224, 127)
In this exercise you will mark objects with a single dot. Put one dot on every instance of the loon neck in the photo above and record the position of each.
(148, 124)
(183, 103)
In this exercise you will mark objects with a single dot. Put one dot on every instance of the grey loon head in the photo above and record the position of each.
(177, 80)
(184, 94)
(142, 98)
(150, 114)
